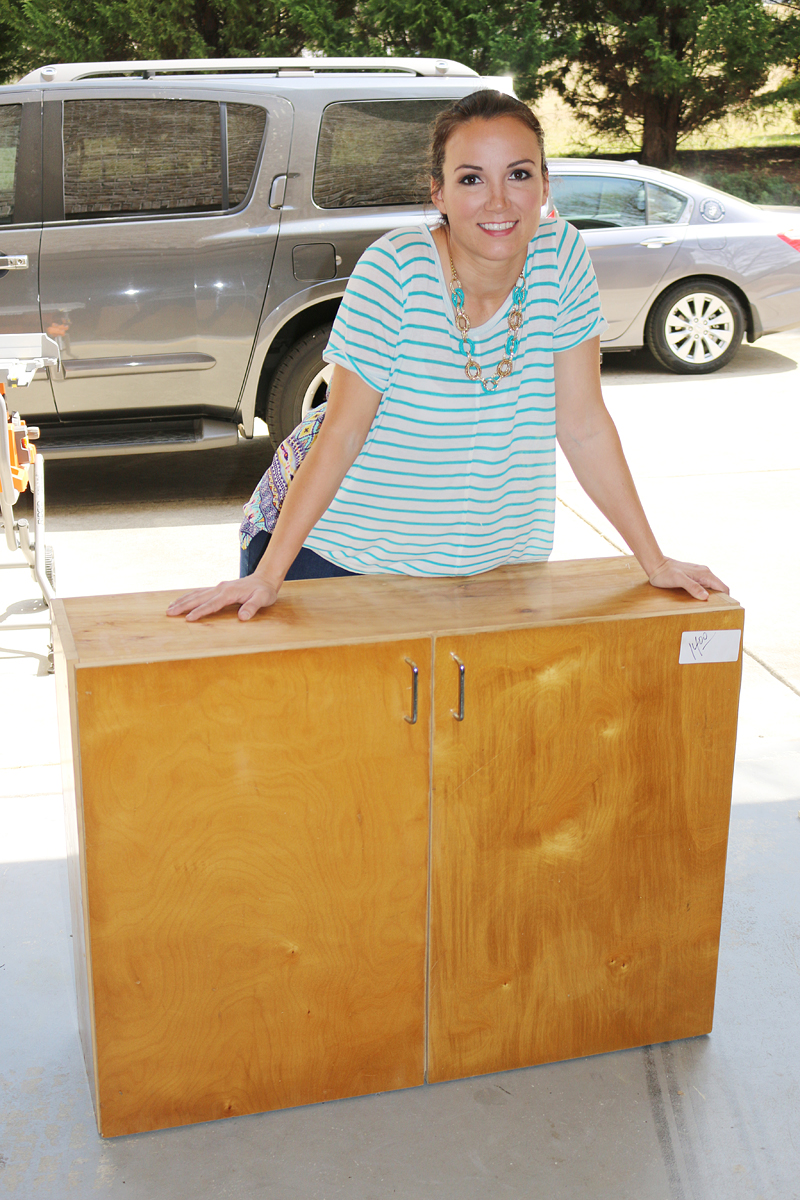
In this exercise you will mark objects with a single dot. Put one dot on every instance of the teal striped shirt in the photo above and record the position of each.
(452, 480)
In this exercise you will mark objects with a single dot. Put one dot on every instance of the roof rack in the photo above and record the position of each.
(147, 69)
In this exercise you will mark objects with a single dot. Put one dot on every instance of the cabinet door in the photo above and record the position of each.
(255, 852)
(579, 828)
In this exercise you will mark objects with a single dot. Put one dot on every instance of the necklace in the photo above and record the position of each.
(472, 368)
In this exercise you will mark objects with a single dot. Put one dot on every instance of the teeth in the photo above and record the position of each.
(497, 224)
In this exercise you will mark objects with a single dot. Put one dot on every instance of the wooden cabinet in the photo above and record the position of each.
(285, 891)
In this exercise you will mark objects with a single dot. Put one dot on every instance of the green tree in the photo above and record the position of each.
(662, 69)
(499, 37)
(41, 31)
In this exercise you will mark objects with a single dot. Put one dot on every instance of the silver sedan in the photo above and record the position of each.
(682, 268)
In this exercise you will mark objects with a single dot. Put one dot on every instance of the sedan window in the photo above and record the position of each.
(599, 201)
(10, 116)
(665, 207)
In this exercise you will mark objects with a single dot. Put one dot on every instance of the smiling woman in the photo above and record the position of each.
(460, 354)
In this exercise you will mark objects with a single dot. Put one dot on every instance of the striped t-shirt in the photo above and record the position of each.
(452, 479)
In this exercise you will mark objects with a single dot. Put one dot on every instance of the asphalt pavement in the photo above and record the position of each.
(717, 463)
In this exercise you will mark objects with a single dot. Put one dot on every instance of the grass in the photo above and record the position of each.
(755, 155)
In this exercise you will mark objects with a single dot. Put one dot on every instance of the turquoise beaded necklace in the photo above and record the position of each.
(472, 368)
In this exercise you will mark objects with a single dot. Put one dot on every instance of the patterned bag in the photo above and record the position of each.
(262, 509)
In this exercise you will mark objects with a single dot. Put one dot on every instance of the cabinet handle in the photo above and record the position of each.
(412, 720)
(459, 716)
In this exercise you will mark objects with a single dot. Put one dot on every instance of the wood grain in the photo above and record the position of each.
(248, 821)
(69, 745)
(256, 838)
(580, 817)
(321, 612)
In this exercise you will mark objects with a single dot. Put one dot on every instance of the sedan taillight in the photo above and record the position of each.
(792, 238)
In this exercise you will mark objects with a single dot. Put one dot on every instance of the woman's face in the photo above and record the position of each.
(493, 188)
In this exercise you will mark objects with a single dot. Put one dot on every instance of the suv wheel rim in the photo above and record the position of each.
(321, 379)
(699, 327)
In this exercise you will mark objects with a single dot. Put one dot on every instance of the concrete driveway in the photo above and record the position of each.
(717, 461)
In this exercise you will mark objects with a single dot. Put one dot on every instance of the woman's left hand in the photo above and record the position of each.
(693, 578)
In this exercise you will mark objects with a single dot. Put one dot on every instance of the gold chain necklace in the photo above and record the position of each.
(472, 368)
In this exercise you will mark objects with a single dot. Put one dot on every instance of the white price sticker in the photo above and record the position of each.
(710, 646)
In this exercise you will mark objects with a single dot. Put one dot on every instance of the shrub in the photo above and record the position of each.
(759, 186)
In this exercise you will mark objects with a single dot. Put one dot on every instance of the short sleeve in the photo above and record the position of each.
(579, 313)
(367, 326)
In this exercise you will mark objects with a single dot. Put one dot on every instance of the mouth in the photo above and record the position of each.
(497, 227)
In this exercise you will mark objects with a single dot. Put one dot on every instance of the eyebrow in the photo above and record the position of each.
(472, 167)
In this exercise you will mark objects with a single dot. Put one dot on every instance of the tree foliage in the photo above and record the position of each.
(659, 69)
(47, 31)
(663, 69)
(498, 37)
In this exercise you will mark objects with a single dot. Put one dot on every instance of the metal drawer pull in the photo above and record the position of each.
(412, 720)
(13, 262)
(459, 716)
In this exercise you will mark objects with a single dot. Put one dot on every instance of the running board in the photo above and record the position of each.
(135, 437)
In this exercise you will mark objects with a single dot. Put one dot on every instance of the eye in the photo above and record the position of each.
(521, 173)
(470, 179)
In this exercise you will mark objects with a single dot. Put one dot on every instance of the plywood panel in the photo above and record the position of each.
(76, 863)
(256, 836)
(135, 628)
(580, 816)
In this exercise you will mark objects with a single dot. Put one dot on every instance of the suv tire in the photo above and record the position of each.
(299, 384)
(696, 327)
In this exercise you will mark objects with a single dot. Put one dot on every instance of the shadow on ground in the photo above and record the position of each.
(639, 366)
(202, 486)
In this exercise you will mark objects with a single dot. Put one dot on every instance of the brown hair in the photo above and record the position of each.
(485, 105)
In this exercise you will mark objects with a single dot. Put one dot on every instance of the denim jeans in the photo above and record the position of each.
(307, 565)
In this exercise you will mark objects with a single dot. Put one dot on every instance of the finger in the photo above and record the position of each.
(716, 585)
(212, 605)
(703, 575)
(176, 607)
(694, 588)
(184, 603)
(263, 598)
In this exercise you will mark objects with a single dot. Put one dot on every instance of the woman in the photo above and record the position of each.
(459, 353)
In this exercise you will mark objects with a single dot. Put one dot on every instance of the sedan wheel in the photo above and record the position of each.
(695, 327)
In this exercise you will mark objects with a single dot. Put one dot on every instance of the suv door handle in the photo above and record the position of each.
(13, 262)
(277, 193)
(657, 243)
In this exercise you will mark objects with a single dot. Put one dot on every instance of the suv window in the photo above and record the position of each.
(246, 123)
(10, 117)
(370, 151)
(158, 156)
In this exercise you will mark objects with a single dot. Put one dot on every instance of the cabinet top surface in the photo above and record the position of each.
(99, 630)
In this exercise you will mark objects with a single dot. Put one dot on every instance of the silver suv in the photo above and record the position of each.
(185, 230)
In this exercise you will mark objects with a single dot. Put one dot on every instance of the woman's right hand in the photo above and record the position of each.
(249, 594)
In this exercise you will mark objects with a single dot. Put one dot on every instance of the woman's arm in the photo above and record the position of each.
(591, 444)
(352, 405)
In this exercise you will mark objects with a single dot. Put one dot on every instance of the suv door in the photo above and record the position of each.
(158, 242)
(21, 231)
(632, 229)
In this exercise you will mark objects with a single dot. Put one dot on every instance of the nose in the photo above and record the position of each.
(497, 198)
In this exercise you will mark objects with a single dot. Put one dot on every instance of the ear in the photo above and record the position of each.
(436, 197)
